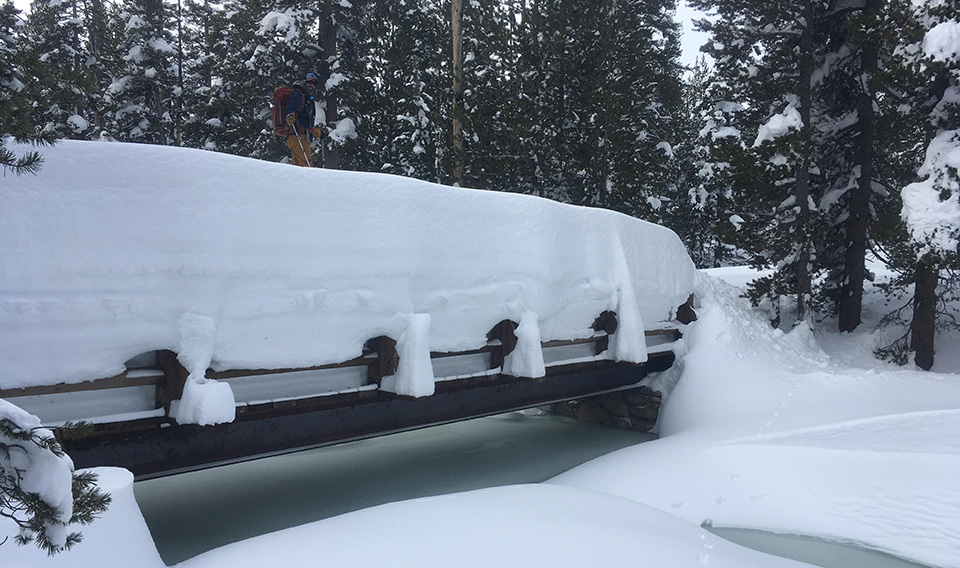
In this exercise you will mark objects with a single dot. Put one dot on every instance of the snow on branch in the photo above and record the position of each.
(930, 207)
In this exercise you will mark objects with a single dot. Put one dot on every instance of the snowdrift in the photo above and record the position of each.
(113, 250)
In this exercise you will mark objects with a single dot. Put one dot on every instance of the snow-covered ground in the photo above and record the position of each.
(801, 433)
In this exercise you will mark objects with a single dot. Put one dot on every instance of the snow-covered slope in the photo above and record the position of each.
(118, 249)
(766, 431)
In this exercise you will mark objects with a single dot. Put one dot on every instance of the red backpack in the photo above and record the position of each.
(280, 126)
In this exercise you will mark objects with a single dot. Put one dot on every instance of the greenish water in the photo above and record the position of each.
(194, 512)
(811, 550)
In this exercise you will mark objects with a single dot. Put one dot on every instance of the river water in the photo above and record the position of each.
(194, 512)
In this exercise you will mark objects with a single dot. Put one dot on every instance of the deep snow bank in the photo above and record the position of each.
(764, 430)
(118, 249)
(519, 525)
(119, 537)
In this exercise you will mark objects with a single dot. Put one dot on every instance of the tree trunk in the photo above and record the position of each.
(803, 167)
(179, 121)
(854, 268)
(328, 42)
(96, 34)
(458, 153)
(924, 324)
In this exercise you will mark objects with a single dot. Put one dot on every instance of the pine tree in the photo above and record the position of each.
(29, 455)
(766, 56)
(61, 85)
(922, 76)
(236, 107)
(142, 96)
(400, 107)
(702, 216)
(14, 104)
(490, 97)
(852, 156)
(599, 103)
(198, 67)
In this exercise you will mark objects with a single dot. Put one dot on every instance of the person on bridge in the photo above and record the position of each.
(301, 113)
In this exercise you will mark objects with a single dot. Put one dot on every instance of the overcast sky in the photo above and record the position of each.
(691, 40)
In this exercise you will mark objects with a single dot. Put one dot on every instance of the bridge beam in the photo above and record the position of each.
(165, 448)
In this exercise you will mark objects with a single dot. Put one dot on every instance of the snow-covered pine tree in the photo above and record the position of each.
(15, 106)
(599, 98)
(537, 57)
(704, 215)
(39, 490)
(235, 110)
(766, 55)
(331, 79)
(408, 66)
(490, 97)
(349, 87)
(922, 87)
(641, 111)
(60, 82)
(142, 97)
(199, 67)
(847, 87)
(102, 45)
(284, 48)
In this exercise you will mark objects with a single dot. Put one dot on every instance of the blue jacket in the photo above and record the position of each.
(302, 103)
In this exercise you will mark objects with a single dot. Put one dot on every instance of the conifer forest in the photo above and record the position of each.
(813, 137)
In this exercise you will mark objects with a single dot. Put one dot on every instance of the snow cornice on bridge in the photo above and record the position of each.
(116, 250)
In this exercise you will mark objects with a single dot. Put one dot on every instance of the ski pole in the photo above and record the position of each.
(300, 142)
(323, 153)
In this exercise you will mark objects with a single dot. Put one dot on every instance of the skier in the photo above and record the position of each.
(300, 114)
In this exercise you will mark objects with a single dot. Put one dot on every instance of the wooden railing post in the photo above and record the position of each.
(506, 332)
(387, 359)
(607, 323)
(685, 313)
(170, 387)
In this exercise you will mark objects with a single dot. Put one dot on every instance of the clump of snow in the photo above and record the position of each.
(204, 401)
(779, 125)
(942, 42)
(414, 376)
(78, 123)
(725, 132)
(282, 24)
(110, 248)
(117, 538)
(335, 80)
(526, 360)
(161, 45)
(344, 130)
(931, 208)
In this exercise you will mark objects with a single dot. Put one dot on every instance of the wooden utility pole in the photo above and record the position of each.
(458, 154)
(328, 42)
(179, 127)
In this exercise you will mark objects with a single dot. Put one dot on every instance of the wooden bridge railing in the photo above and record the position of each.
(380, 357)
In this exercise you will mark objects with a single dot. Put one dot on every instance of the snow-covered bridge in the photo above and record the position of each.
(241, 308)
